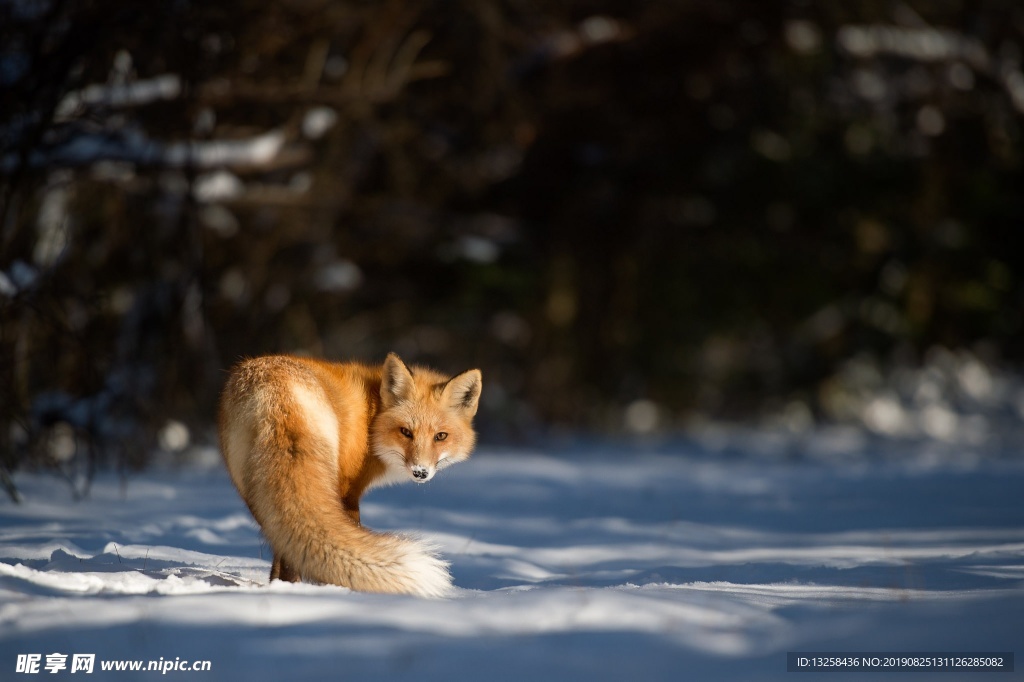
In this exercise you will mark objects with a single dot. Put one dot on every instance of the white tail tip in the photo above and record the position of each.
(424, 573)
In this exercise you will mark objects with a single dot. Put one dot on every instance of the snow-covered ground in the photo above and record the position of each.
(604, 564)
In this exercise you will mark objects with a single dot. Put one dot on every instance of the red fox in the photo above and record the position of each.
(303, 439)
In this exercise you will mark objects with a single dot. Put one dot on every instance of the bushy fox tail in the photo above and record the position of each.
(306, 526)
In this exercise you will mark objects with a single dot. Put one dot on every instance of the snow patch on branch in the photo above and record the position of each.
(927, 44)
(165, 87)
(135, 147)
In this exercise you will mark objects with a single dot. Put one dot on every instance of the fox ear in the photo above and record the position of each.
(463, 392)
(395, 381)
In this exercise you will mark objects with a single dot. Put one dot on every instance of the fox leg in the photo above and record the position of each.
(351, 507)
(282, 570)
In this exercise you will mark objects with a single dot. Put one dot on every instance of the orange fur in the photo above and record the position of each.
(304, 439)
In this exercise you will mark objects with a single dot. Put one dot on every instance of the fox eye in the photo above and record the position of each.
(441, 435)
(405, 432)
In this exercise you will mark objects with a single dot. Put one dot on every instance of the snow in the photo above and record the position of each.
(603, 563)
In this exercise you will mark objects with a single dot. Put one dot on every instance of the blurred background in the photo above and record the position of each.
(636, 218)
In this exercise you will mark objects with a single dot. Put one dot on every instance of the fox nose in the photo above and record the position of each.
(420, 473)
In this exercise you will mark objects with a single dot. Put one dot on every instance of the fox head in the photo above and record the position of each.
(425, 422)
